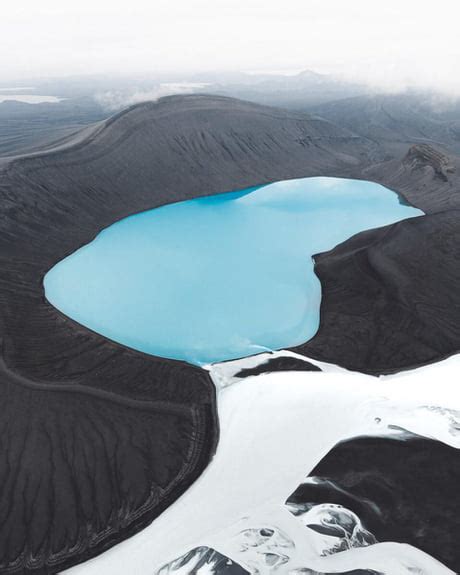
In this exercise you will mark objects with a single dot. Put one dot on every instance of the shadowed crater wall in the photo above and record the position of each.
(98, 439)
(390, 296)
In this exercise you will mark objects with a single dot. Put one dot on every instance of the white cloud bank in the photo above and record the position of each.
(389, 44)
(115, 100)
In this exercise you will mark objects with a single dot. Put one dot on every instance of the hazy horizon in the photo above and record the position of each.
(387, 45)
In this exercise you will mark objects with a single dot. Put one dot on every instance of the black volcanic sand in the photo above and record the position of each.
(283, 363)
(391, 297)
(98, 439)
(402, 490)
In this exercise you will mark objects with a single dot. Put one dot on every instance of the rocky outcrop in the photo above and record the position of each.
(422, 156)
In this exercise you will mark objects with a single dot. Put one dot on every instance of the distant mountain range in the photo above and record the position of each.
(392, 120)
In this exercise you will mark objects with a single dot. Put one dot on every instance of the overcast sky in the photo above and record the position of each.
(392, 43)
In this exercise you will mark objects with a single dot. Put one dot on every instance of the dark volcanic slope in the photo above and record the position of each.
(98, 439)
(390, 296)
(25, 127)
(402, 490)
(398, 119)
(400, 123)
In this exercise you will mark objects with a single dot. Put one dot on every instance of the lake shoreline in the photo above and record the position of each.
(56, 201)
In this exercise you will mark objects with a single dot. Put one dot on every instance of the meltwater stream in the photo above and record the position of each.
(219, 277)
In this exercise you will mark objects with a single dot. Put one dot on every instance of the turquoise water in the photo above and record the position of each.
(220, 277)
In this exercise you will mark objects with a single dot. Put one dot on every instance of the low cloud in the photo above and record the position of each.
(114, 100)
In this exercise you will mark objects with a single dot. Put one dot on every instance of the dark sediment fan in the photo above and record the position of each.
(402, 491)
(390, 297)
(98, 439)
(283, 363)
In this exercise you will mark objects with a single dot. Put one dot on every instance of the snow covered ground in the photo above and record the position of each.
(275, 428)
